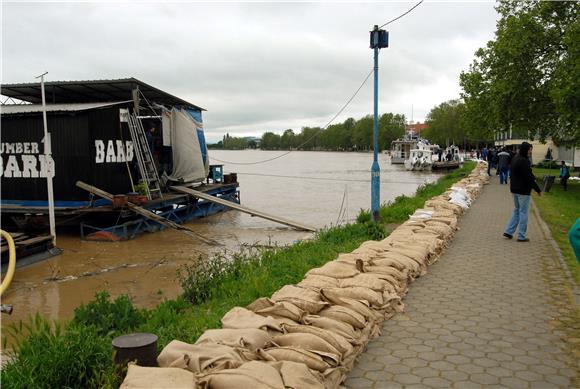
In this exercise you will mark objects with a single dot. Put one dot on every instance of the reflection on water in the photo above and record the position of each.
(308, 187)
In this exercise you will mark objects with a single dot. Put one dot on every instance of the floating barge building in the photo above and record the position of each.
(121, 136)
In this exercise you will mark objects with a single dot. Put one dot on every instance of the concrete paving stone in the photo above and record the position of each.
(467, 385)
(485, 362)
(387, 359)
(454, 375)
(515, 383)
(500, 357)
(446, 351)
(397, 369)
(407, 379)
(373, 366)
(484, 378)
(527, 360)
(425, 372)
(458, 359)
(450, 338)
(436, 382)
(442, 365)
(528, 375)
(404, 354)
(411, 341)
(387, 385)
(359, 383)
(378, 375)
(470, 368)
(430, 356)
(559, 381)
(421, 348)
(499, 371)
(414, 362)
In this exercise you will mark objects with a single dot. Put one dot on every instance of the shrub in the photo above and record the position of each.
(49, 356)
(109, 318)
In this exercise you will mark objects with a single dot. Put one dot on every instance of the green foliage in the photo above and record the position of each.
(528, 78)
(559, 209)
(109, 318)
(446, 125)
(350, 135)
(50, 357)
(141, 188)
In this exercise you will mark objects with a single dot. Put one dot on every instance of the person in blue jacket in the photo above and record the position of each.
(564, 175)
(574, 237)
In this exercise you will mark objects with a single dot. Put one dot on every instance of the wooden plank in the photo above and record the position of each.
(34, 240)
(241, 208)
(148, 214)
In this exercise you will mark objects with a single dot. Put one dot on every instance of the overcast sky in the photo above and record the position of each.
(258, 66)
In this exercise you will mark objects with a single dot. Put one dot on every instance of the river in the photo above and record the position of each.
(308, 187)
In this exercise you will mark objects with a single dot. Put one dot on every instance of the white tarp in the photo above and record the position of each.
(188, 163)
(166, 126)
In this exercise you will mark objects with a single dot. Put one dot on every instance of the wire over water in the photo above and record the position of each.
(309, 139)
(330, 179)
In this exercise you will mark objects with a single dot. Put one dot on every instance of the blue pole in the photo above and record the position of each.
(376, 170)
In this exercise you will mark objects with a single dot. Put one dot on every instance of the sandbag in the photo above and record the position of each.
(316, 282)
(276, 309)
(343, 329)
(368, 281)
(305, 299)
(298, 375)
(314, 360)
(358, 293)
(201, 357)
(305, 341)
(337, 341)
(335, 269)
(238, 317)
(360, 306)
(139, 377)
(250, 338)
(345, 315)
(252, 375)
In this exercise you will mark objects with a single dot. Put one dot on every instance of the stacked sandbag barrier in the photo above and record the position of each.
(309, 335)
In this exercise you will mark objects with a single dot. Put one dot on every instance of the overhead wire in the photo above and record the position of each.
(329, 179)
(403, 14)
(309, 139)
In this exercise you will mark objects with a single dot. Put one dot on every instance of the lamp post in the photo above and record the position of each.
(379, 39)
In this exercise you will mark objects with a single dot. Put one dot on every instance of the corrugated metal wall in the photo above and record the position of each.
(73, 150)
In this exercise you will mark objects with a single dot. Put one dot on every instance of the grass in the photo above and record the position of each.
(560, 209)
(79, 355)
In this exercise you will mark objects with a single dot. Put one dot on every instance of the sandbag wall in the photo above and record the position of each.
(309, 335)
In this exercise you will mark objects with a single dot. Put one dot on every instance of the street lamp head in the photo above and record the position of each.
(379, 38)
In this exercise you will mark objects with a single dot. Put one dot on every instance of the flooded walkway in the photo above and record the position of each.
(490, 313)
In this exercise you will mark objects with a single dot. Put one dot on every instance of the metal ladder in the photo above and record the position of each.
(145, 159)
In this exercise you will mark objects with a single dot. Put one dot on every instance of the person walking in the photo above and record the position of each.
(564, 175)
(503, 165)
(521, 184)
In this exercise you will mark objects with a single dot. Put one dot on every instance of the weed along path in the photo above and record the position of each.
(491, 312)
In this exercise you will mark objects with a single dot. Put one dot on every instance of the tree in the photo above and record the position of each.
(528, 78)
(445, 124)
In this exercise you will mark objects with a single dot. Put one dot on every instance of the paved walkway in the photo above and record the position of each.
(490, 313)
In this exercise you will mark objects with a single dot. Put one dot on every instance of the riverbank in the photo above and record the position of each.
(559, 209)
(79, 353)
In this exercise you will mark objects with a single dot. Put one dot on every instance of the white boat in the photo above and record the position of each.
(420, 159)
(401, 148)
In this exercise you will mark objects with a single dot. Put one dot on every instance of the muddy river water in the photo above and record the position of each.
(308, 187)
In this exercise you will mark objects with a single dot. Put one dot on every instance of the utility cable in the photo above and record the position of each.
(329, 179)
(400, 16)
(309, 139)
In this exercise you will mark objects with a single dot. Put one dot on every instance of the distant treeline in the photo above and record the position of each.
(347, 136)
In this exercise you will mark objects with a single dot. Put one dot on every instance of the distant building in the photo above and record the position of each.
(540, 150)
(416, 128)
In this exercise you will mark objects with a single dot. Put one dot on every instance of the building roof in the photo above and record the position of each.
(90, 91)
(11, 109)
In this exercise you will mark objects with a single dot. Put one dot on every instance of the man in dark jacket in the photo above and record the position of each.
(503, 164)
(521, 184)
